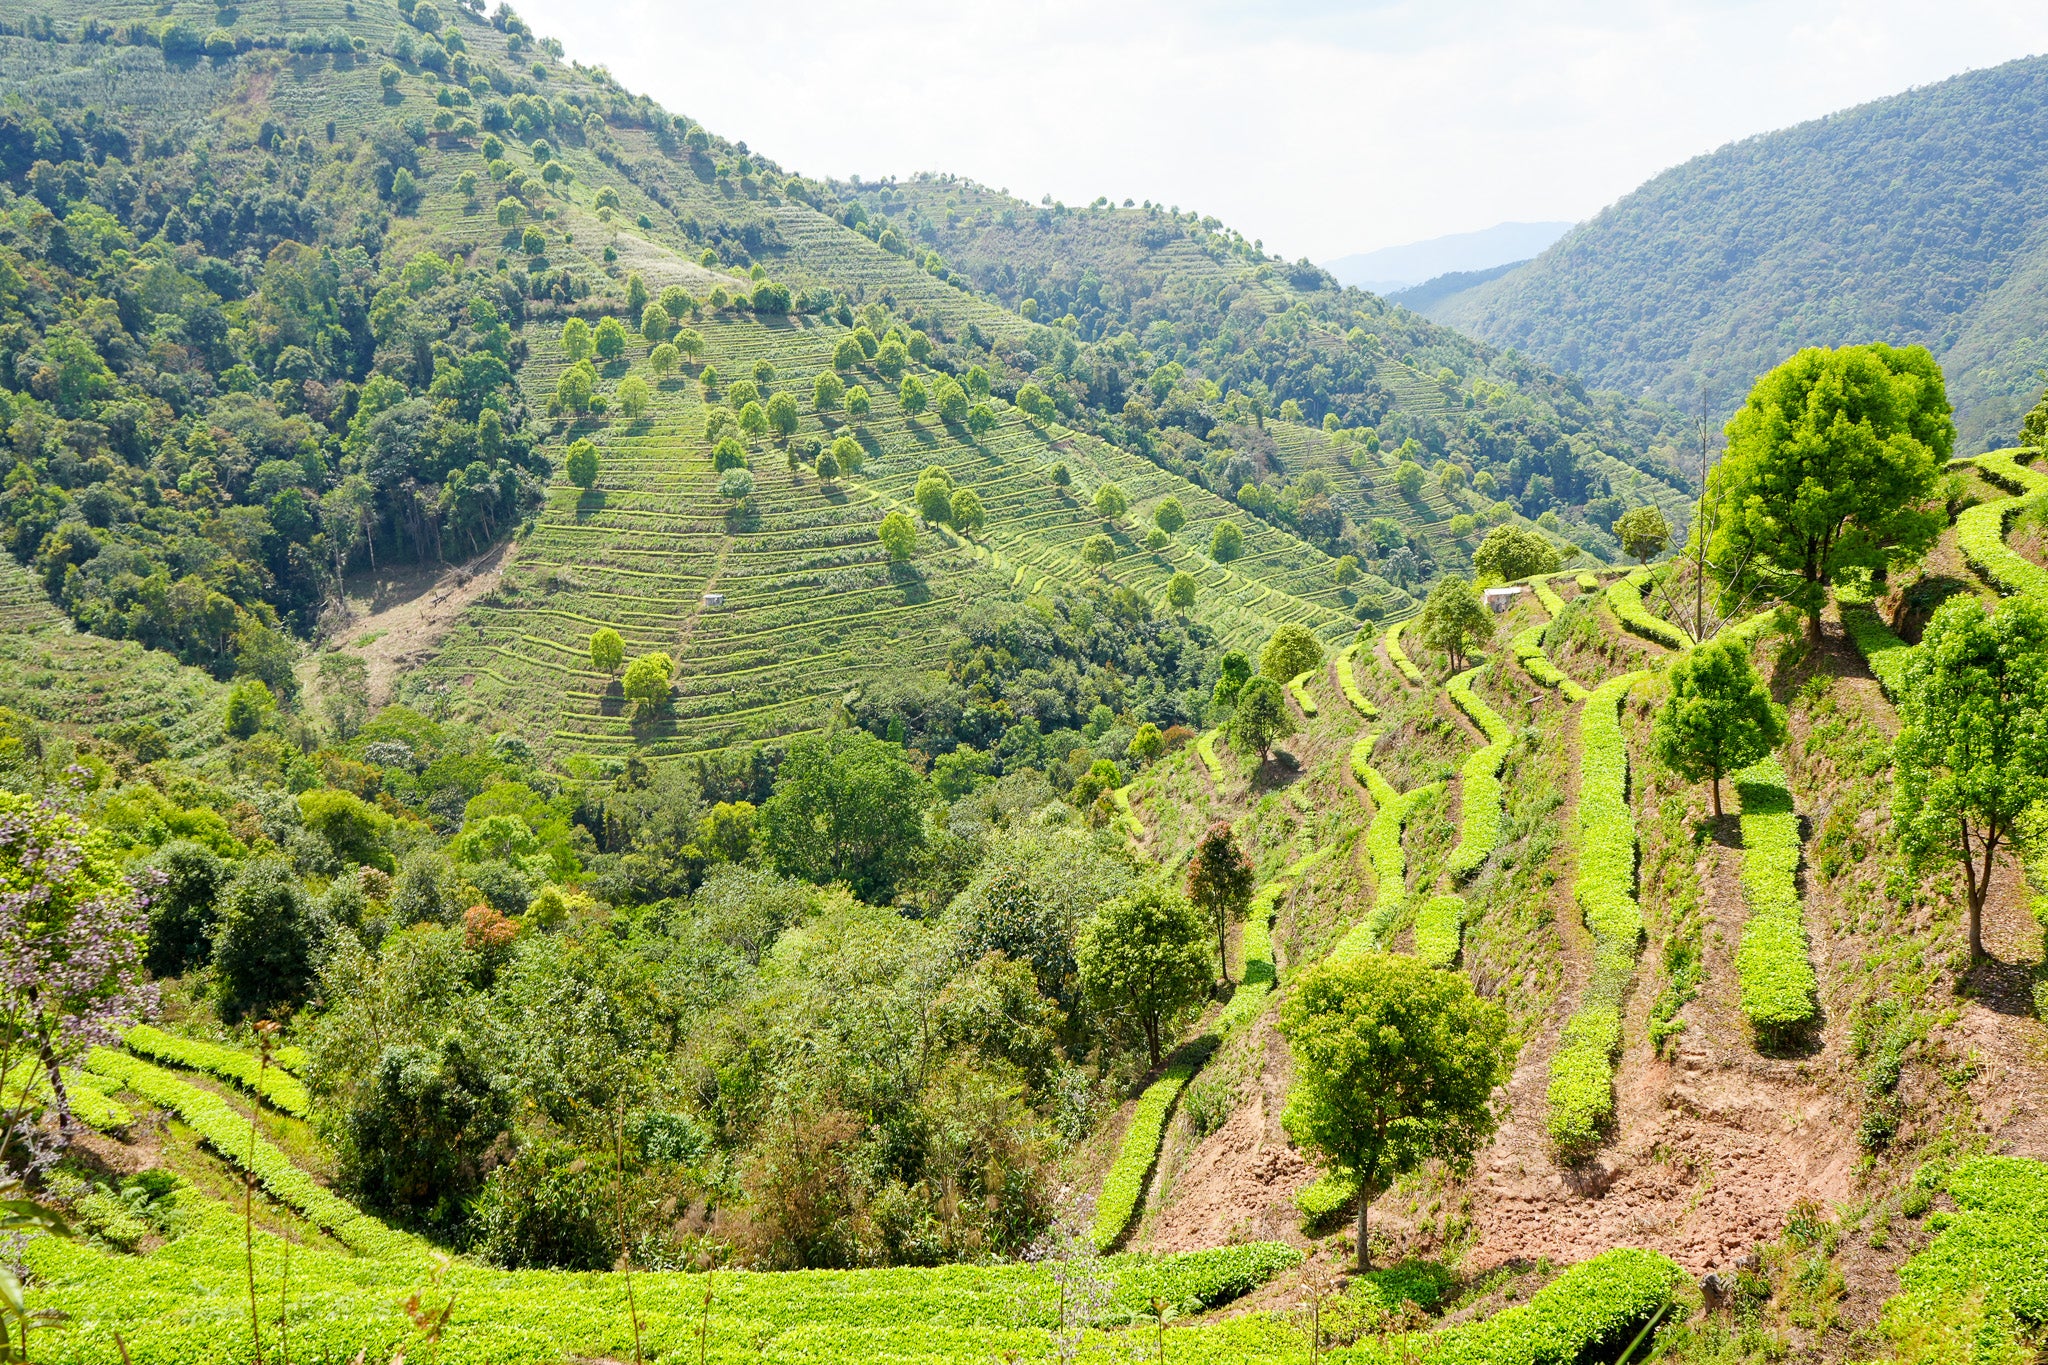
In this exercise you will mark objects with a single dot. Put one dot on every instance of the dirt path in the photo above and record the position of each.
(394, 619)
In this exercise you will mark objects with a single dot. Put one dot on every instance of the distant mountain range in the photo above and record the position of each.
(1922, 217)
(1399, 267)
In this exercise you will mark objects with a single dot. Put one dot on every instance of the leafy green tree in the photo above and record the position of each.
(609, 340)
(728, 454)
(655, 324)
(250, 706)
(826, 391)
(1180, 592)
(847, 807)
(633, 397)
(857, 405)
(677, 303)
(753, 419)
(1146, 743)
(636, 294)
(1972, 751)
(663, 359)
(1061, 478)
(1346, 571)
(262, 944)
(1831, 463)
(1454, 620)
(949, 400)
(607, 650)
(1098, 551)
(981, 419)
(783, 417)
(1718, 716)
(188, 879)
(1110, 502)
(892, 359)
(582, 463)
(1145, 958)
(1292, 651)
(1408, 477)
(966, 512)
(690, 342)
(533, 241)
(736, 484)
(1169, 516)
(647, 682)
(934, 494)
(1643, 533)
(1395, 1064)
(1511, 552)
(1261, 718)
(898, 536)
(913, 395)
(828, 467)
(575, 387)
(1233, 671)
(509, 210)
(848, 453)
(847, 354)
(353, 829)
(415, 1136)
(1220, 881)
(1226, 542)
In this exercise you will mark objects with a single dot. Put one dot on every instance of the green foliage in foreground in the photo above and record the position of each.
(1772, 963)
(1625, 600)
(278, 1088)
(1394, 1064)
(1581, 1093)
(1988, 1261)
(1481, 777)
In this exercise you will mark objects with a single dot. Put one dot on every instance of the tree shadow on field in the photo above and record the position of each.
(589, 503)
(1283, 769)
(612, 701)
(909, 580)
(2002, 987)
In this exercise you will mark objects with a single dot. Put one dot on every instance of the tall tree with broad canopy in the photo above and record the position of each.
(1643, 533)
(1718, 717)
(1510, 552)
(1395, 1064)
(1145, 957)
(1261, 717)
(1292, 651)
(1972, 752)
(1830, 466)
(847, 807)
(1220, 884)
(1454, 620)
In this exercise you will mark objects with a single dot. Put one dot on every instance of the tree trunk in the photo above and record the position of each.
(1717, 795)
(1223, 944)
(1152, 1040)
(1364, 1249)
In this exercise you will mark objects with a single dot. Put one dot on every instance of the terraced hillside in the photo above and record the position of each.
(1193, 293)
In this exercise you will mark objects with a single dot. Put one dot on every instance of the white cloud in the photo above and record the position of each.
(1323, 128)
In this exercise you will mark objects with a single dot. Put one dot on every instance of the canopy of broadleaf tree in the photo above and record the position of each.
(1829, 466)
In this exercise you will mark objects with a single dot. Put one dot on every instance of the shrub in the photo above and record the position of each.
(1399, 656)
(262, 949)
(1439, 927)
(1349, 682)
(1481, 777)
(1581, 1091)
(1887, 655)
(1528, 647)
(1625, 600)
(277, 1087)
(1124, 1186)
(1772, 963)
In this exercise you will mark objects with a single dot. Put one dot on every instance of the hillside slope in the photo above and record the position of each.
(1914, 218)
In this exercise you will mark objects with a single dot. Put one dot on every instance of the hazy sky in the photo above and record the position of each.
(1323, 128)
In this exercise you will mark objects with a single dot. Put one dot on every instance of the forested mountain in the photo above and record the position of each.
(1181, 290)
(586, 720)
(1912, 219)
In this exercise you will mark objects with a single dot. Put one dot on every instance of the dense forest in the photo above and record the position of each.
(1909, 219)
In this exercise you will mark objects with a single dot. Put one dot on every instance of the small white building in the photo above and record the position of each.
(1500, 599)
(717, 599)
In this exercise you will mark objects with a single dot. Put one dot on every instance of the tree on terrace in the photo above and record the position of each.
(1220, 884)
